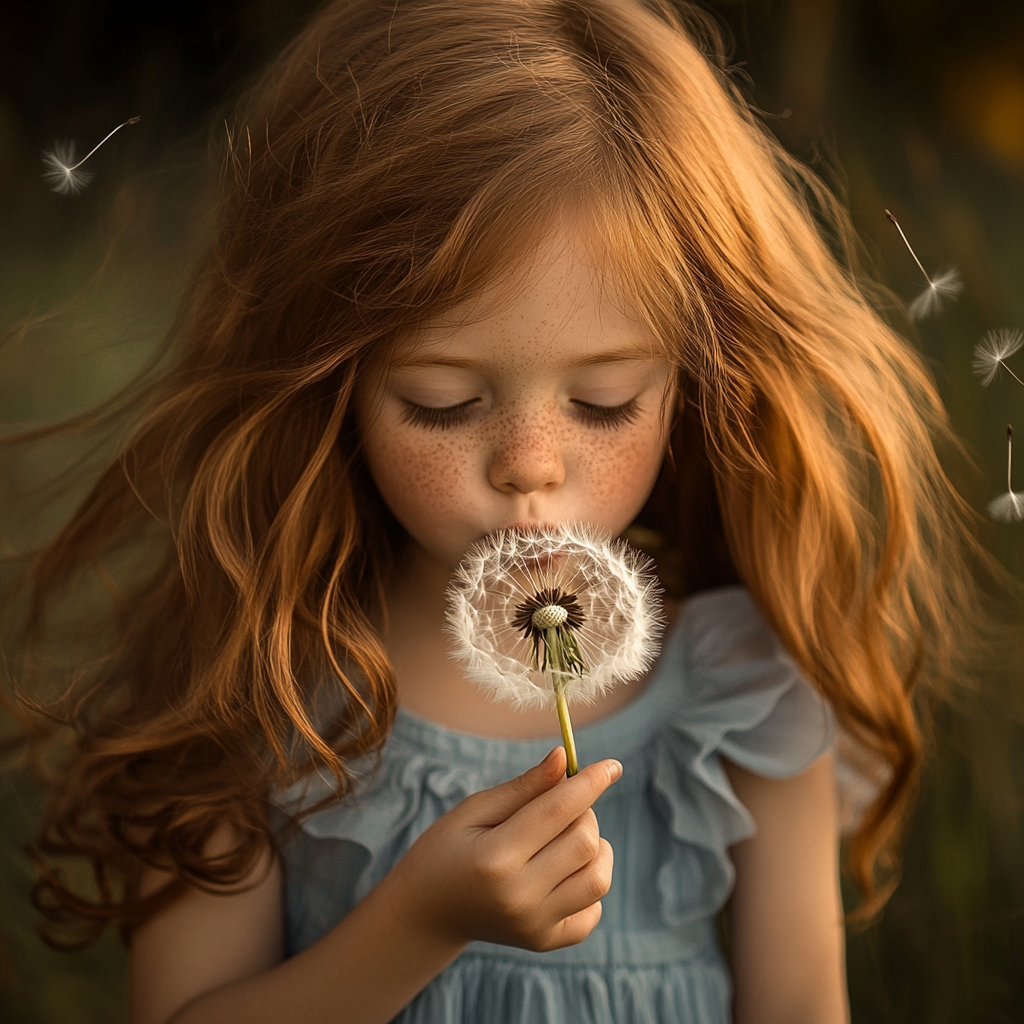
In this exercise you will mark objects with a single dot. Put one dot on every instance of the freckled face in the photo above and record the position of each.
(550, 405)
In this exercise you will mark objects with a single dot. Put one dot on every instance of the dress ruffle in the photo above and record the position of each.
(744, 700)
(723, 688)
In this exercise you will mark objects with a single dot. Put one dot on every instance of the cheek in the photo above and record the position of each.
(419, 478)
(618, 472)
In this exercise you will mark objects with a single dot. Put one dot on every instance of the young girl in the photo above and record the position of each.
(486, 265)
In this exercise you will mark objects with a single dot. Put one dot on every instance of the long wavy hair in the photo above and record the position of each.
(390, 163)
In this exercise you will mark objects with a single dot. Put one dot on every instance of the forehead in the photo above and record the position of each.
(559, 303)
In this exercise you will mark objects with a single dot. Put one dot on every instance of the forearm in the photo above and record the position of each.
(363, 971)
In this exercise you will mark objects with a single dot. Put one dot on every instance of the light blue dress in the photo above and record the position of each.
(723, 687)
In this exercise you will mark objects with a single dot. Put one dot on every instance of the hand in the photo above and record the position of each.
(521, 864)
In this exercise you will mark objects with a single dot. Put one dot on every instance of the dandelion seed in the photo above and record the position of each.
(63, 172)
(1008, 507)
(992, 352)
(553, 616)
(945, 286)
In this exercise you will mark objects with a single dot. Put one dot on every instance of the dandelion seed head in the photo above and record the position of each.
(1008, 507)
(62, 176)
(605, 586)
(990, 352)
(548, 616)
(944, 286)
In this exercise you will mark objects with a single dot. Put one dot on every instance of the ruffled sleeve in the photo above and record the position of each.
(392, 804)
(743, 699)
(341, 851)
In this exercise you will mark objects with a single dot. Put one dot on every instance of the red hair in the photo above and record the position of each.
(391, 162)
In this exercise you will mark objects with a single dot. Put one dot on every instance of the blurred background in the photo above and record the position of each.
(914, 105)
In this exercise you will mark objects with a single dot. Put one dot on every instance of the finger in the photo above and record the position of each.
(569, 851)
(583, 888)
(535, 824)
(572, 930)
(493, 806)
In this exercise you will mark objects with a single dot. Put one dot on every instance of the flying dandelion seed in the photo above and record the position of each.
(63, 173)
(945, 286)
(992, 352)
(1008, 507)
(553, 616)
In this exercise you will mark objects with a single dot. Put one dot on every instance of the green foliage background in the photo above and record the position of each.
(915, 105)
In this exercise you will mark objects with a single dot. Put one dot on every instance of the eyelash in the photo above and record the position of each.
(432, 418)
(605, 417)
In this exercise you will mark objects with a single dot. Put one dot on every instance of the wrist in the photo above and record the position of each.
(404, 912)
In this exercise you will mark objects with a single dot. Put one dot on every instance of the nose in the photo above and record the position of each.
(527, 458)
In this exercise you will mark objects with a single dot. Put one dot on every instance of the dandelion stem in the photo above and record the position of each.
(131, 120)
(910, 248)
(1009, 458)
(559, 679)
(565, 723)
(1011, 373)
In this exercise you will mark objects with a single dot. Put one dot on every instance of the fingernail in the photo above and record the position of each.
(615, 770)
(546, 763)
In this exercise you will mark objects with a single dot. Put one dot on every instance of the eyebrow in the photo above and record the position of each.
(619, 355)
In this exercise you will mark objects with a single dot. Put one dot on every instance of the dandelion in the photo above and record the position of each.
(1008, 507)
(992, 352)
(63, 172)
(552, 616)
(944, 286)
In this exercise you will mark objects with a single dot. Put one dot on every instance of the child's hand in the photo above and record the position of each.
(521, 864)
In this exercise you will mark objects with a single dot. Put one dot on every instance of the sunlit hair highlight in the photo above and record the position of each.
(394, 160)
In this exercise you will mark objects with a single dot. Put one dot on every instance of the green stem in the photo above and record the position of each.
(571, 764)
(559, 679)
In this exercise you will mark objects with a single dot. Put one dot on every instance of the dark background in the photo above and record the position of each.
(915, 105)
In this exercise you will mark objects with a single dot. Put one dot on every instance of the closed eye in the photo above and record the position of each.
(607, 416)
(438, 418)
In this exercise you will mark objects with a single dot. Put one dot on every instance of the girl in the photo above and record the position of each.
(484, 265)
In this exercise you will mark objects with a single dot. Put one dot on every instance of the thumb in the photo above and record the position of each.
(498, 804)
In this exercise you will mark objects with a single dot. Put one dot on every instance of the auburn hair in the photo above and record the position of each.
(388, 165)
